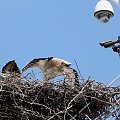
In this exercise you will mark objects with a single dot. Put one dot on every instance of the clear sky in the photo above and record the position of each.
(60, 28)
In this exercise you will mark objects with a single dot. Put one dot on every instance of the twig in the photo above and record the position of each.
(56, 114)
(82, 109)
(118, 77)
(79, 70)
(68, 107)
(88, 117)
(102, 100)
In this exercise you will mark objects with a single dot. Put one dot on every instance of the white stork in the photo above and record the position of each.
(52, 67)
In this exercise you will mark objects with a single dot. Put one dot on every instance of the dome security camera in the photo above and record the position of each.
(103, 11)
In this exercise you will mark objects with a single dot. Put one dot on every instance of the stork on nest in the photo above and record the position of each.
(52, 67)
(24, 99)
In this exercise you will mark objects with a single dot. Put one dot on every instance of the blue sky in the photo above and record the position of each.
(60, 28)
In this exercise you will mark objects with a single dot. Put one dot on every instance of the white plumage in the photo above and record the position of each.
(52, 67)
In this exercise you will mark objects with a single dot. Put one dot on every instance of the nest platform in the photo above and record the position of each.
(22, 99)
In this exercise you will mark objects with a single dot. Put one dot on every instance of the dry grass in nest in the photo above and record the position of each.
(21, 99)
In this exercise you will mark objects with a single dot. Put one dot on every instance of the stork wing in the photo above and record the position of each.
(39, 63)
(51, 67)
(10, 67)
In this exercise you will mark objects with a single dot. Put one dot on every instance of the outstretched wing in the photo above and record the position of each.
(10, 67)
(45, 63)
(51, 67)
(39, 63)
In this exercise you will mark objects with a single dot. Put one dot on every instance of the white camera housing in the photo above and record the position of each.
(103, 11)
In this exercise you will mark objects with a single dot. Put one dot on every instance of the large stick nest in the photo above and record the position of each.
(21, 99)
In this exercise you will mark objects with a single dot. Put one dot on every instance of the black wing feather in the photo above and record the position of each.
(10, 67)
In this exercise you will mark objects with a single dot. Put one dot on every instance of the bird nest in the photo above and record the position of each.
(21, 99)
